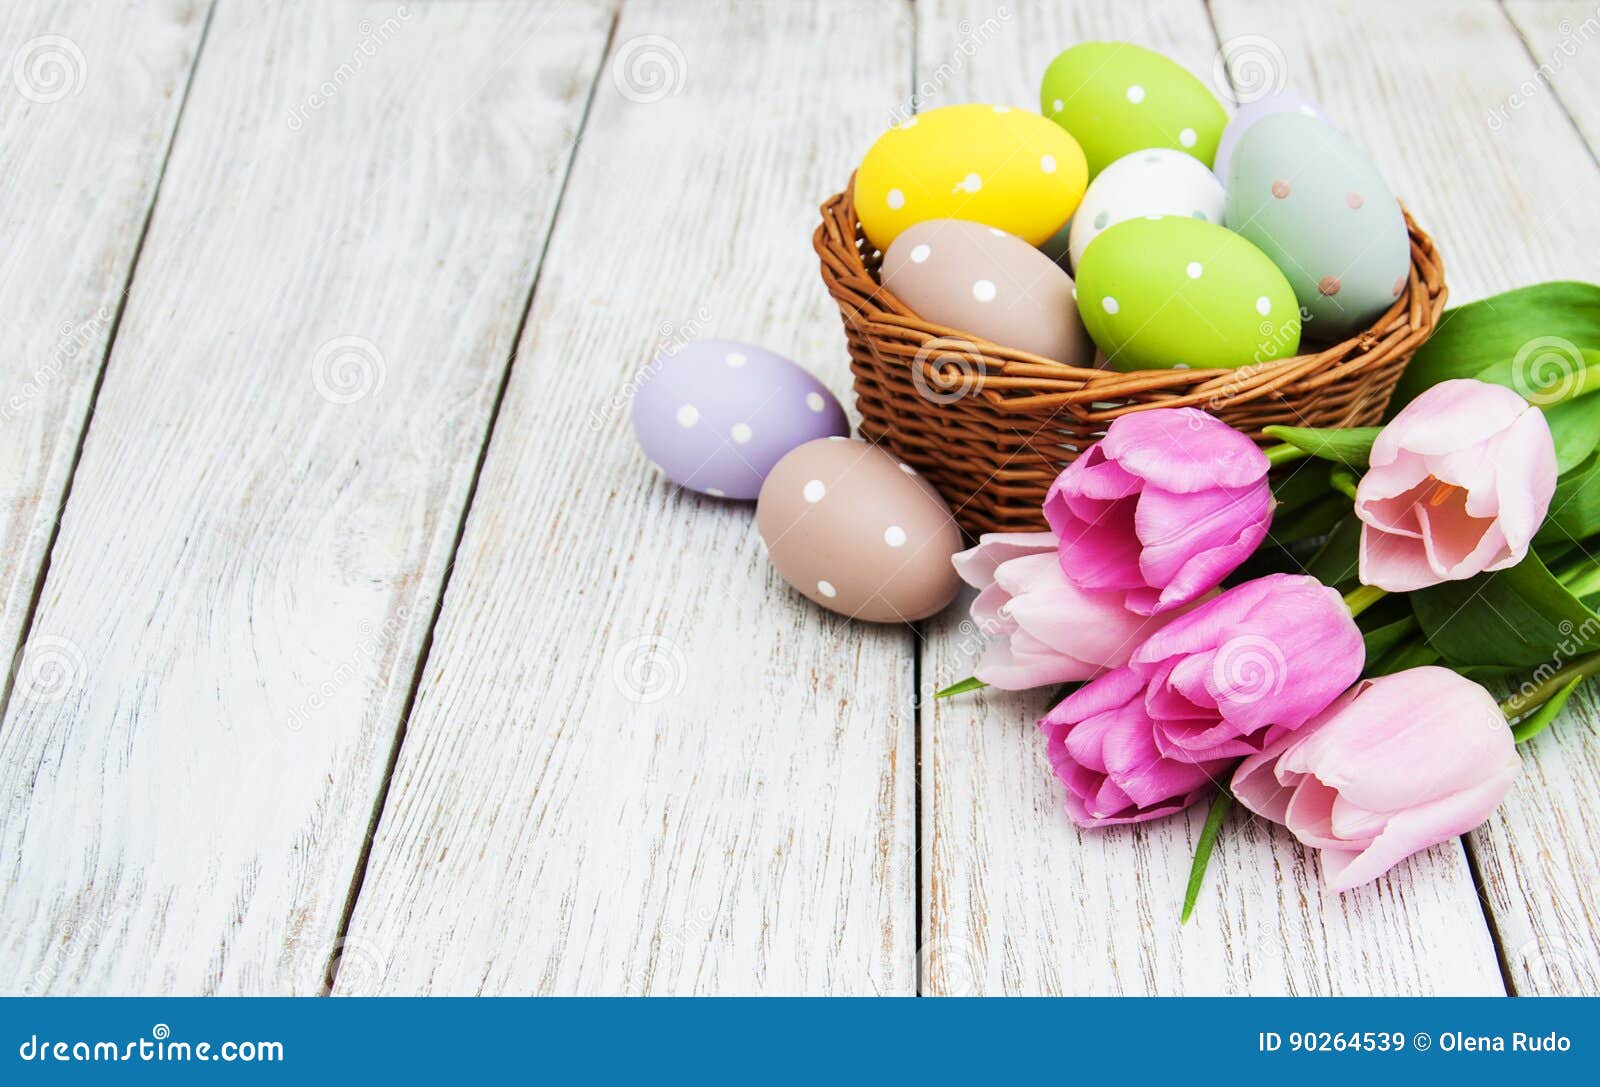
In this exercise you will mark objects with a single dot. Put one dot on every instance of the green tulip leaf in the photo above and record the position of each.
(1337, 562)
(1350, 447)
(1202, 852)
(1521, 617)
(1538, 325)
(1531, 726)
(1386, 636)
(1574, 508)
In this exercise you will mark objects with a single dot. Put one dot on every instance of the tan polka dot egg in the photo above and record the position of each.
(859, 532)
(1003, 167)
(989, 284)
(1310, 199)
(1171, 291)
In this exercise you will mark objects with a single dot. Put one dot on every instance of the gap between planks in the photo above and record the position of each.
(43, 572)
(331, 973)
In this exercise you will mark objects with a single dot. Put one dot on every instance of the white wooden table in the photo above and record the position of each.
(357, 648)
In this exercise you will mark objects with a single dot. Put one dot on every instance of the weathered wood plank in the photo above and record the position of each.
(273, 483)
(87, 104)
(1540, 857)
(1018, 901)
(638, 762)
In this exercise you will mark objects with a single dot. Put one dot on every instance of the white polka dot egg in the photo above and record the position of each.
(1155, 181)
(716, 415)
(858, 532)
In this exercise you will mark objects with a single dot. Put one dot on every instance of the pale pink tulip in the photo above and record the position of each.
(1045, 629)
(1395, 765)
(1459, 483)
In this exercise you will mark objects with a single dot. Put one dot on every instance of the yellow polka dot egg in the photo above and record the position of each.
(1006, 168)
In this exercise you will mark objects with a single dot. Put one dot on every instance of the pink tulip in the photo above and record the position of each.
(1100, 742)
(1459, 482)
(1048, 630)
(1162, 508)
(1397, 764)
(1243, 669)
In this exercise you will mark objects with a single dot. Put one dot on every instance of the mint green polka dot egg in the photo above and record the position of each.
(1171, 291)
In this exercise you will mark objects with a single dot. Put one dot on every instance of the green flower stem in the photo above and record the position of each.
(1283, 454)
(1580, 668)
(1363, 597)
(1343, 480)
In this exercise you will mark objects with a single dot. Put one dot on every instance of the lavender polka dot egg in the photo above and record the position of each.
(716, 415)
(1253, 111)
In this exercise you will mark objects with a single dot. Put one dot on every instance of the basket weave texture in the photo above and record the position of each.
(991, 427)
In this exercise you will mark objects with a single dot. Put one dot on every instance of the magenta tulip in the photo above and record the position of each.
(1046, 629)
(1459, 483)
(1164, 507)
(1397, 764)
(1243, 669)
(1101, 743)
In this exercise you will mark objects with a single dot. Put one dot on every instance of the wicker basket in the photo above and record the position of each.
(991, 426)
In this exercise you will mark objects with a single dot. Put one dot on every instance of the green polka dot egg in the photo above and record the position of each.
(1002, 167)
(1116, 98)
(1171, 291)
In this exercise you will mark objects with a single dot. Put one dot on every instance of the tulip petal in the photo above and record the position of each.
(1396, 564)
(977, 565)
(1184, 449)
(1415, 829)
(1452, 415)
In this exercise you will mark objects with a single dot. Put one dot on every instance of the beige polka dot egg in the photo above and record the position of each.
(990, 284)
(857, 531)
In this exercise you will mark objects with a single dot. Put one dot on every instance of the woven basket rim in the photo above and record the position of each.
(1013, 380)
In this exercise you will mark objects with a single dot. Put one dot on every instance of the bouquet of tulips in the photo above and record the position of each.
(1303, 628)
